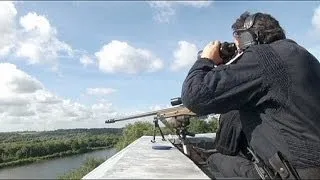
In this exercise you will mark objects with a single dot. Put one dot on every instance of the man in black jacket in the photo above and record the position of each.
(275, 86)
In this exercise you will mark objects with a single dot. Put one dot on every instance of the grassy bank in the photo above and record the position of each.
(87, 166)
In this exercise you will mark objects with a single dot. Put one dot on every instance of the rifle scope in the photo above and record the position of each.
(176, 101)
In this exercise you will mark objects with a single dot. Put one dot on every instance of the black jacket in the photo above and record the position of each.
(276, 88)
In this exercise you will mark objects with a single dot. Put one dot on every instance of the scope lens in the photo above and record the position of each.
(176, 101)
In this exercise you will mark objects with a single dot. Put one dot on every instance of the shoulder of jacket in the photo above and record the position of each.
(234, 60)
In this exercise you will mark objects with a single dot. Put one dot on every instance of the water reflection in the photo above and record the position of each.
(52, 169)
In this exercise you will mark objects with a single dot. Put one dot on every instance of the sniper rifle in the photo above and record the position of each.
(176, 118)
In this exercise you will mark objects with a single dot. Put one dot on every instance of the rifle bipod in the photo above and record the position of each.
(182, 134)
(156, 125)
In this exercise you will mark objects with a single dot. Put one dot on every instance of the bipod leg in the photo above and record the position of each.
(185, 143)
(155, 121)
(156, 125)
(163, 139)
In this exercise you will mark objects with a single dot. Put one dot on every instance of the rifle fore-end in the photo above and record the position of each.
(183, 111)
(173, 112)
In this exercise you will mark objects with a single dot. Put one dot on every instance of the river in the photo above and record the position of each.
(52, 169)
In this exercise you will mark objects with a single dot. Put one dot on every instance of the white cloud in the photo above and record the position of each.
(7, 27)
(100, 91)
(86, 60)
(184, 56)
(25, 104)
(159, 107)
(164, 10)
(33, 38)
(39, 42)
(119, 56)
(196, 4)
(15, 82)
(316, 19)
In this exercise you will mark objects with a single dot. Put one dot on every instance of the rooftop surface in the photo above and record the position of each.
(140, 161)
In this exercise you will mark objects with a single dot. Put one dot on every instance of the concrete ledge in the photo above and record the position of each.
(139, 161)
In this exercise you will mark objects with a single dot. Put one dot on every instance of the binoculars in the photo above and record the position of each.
(227, 51)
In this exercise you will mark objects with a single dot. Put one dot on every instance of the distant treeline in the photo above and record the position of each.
(56, 134)
(24, 147)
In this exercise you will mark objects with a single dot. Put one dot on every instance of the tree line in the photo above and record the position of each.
(25, 147)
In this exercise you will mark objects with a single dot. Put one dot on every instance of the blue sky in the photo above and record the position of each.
(49, 40)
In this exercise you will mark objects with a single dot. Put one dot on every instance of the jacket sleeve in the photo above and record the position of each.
(207, 89)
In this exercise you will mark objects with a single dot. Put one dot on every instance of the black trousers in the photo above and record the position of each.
(231, 145)
(231, 166)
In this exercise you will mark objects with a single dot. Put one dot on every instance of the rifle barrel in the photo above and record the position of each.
(143, 114)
